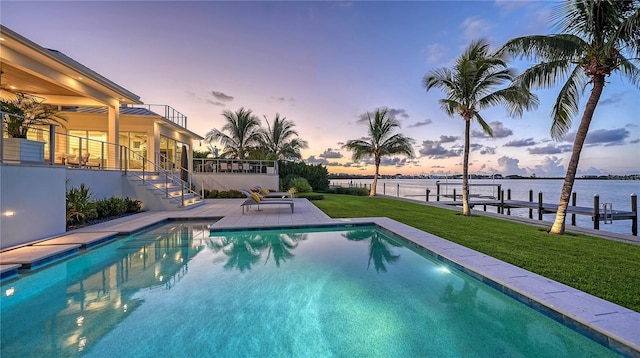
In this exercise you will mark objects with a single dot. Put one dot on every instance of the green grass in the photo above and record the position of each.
(601, 267)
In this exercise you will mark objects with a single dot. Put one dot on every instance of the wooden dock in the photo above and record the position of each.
(599, 213)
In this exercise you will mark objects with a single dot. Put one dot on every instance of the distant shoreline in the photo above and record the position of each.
(398, 177)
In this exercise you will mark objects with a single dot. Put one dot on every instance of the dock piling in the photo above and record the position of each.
(531, 201)
(634, 219)
(540, 206)
(573, 202)
(596, 211)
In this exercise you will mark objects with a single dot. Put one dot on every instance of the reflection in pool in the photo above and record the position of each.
(179, 291)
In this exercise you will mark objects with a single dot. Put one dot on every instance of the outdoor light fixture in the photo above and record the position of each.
(10, 291)
(9, 213)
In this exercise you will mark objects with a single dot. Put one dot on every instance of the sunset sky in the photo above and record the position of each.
(323, 65)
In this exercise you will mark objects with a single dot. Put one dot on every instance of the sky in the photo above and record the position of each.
(325, 65)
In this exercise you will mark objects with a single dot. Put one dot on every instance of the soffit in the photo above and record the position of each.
(19, 80)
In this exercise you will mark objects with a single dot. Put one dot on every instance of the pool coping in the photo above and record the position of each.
(609, 324)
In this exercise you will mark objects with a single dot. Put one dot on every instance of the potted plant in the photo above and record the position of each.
(19, 114)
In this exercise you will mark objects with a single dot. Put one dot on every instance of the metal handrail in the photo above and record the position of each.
(169, 176)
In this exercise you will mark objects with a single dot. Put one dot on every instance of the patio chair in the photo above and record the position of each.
(256, 199)
(273, 194)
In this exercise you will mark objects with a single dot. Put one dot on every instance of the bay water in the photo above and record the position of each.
(617, 193)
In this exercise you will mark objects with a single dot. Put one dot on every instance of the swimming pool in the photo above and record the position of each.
(177, 290)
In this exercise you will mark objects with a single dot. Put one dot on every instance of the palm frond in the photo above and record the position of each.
(566, 105)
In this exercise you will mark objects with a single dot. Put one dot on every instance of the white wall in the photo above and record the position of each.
(32, 203)
(102, 183)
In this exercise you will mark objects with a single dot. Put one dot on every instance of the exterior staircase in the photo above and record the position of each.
(163, 191)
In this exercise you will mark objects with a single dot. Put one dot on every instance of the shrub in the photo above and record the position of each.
(350, 191)
(317, 175)
(310, 196)
(132, 206)
(80, 207)
(301, 185)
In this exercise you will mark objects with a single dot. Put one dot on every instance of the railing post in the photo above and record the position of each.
(80, 151)
(437, 191)
(52, 144)
(596, 211)
(102, 164)
(573, 203)
(428, 191)
(634, 219)
(454, 195)
(540, 206)
(2, 114)
(501, 208)
(144, 168)
(508, 198)
(531, 201)
(397, 190)
(166, 184)
(384, 188)
(182, 192)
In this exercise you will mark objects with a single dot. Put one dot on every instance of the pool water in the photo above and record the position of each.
(178, 291)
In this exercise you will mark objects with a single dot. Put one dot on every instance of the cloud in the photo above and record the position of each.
(221, 96)
(550, 167)
(520, 143)
(474, 28)
(313, 160)
(282, 99)
(435, 150)
(488, 151)
(448, 138)
(605, 137)
(391, 113)
(215, 103)
(435, 52)
(331, 154)
(509, 166)
(393, 161)
(397, 112)
(420, 124)
(207, 100)
(499, 131)
(612, 99)
(550, 149)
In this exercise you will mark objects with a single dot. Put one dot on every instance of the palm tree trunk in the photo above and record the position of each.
(372, 192)
(466, 210)
(559, 223)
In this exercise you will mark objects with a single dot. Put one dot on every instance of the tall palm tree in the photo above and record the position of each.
(244, 133)
(381, 142)
(470, 88)
(601, 37)
(279, 139)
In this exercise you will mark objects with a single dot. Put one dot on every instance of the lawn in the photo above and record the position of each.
(601, 267)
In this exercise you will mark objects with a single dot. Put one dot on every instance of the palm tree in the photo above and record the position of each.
(279, 140)
(602, 37)
(244, 133)
(470, 88)
(381, 142)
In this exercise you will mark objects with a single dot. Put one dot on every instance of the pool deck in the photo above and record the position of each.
(610, 324)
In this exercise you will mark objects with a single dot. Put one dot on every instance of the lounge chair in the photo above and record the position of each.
(257, 199)
(273, 194)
